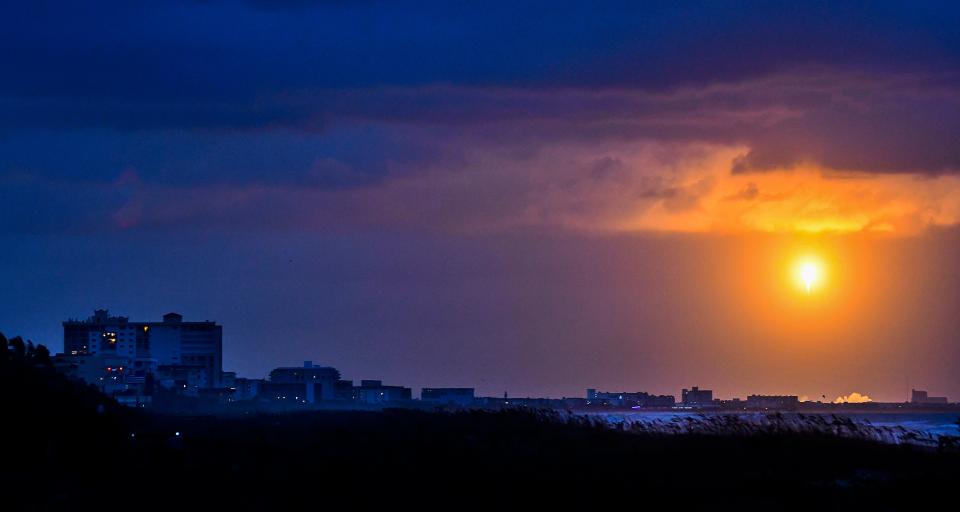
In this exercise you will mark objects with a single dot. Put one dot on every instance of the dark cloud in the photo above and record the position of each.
(247, 96)
(894, 131)
(237, 50)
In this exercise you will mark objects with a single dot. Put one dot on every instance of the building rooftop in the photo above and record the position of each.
(102, 316)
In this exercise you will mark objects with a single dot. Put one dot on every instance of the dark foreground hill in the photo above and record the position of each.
(67, 448)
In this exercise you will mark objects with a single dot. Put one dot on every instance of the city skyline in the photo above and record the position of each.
(142, 348)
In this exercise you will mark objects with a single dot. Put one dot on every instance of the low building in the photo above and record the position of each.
(777, 402)
(733, 404)
(108, 373)
(375, 392)
(574, 403)
(918, 396)
(309, 383)
(246, 389)
(697, 397)
(451, 396)
(182, 378)
(345, 391)
(638, 399)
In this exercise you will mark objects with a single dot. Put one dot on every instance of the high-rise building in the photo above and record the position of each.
(191, 352)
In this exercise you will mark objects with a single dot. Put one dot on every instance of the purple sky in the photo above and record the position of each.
(537, 199)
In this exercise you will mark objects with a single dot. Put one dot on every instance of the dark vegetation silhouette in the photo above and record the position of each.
(66, 446)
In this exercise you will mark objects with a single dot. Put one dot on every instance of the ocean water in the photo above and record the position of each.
(930, 424)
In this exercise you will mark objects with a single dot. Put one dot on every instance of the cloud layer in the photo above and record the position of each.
(674, 116)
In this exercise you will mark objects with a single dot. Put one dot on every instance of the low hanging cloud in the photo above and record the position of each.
(593, 188)
(853, 398)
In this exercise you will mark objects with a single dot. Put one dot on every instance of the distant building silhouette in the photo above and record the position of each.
(375, 392)
(918, 396)
(308, 384)
(455, 396)
(247, 389)
(183, 355)
(696, 397)
(639, 399)
(778, 402)
(312, 384)
(110, 374)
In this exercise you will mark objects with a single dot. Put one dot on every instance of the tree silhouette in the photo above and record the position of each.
(41, 357)
(18, 350)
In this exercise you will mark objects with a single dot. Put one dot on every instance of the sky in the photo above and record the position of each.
(534, 198)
